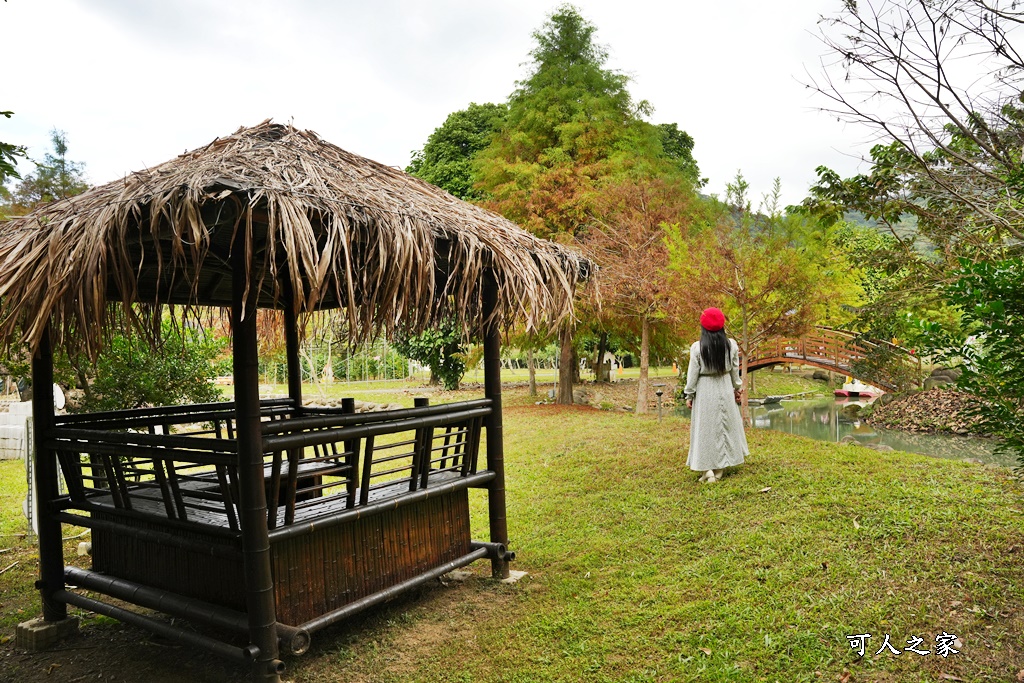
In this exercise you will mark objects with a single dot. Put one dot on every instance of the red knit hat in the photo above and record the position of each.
(712, 319)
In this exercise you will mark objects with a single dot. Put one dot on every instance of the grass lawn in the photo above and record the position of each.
(637, 573)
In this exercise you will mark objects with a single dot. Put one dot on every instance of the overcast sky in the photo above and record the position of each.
(133, 83)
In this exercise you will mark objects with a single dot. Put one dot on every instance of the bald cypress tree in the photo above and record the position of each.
(572, 128)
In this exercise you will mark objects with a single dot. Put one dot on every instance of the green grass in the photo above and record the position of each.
(18, 599)
(637, 573)
(12, 494)
(411, 386)
(767, 383)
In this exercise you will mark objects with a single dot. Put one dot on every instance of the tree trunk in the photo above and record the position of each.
(645, 361)
(565, 369)
(532, 366)
(314, 374)
(83, 383)
(602, 345)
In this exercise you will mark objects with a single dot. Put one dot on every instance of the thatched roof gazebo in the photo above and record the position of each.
(267, 517)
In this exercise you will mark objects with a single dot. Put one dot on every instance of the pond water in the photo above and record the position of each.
(825, 420)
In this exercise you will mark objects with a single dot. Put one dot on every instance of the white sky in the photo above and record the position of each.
(133, 83)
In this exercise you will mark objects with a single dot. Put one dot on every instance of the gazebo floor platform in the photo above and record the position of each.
(307, 511)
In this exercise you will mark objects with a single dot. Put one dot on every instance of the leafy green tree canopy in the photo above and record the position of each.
(446, 159)
(132, 372)
(441, 350)
(55, 177)
(990, 295)
(570, 123)
(677, 145)
(9, 156)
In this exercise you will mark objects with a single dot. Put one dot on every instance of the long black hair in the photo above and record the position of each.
(714, 348)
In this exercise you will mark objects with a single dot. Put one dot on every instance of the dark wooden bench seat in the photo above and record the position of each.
(314, 509)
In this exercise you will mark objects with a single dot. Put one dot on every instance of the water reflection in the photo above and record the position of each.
(827, 419)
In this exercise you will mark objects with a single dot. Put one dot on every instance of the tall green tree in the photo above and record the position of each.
(571, 125)
(677, 145)
(628, 240)
(55, 177)
(447, 159)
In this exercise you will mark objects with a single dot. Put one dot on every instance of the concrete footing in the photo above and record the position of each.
(38, 634)
(513, 576)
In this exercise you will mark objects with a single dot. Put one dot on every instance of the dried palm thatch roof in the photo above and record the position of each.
(337, 229)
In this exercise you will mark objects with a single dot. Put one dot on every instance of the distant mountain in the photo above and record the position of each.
(906, 229)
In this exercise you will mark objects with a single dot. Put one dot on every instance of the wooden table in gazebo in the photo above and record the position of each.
(266, 517)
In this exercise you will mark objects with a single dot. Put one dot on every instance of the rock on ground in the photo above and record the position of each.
(361, 406)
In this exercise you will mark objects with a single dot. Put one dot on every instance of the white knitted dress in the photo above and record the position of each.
(716, 427)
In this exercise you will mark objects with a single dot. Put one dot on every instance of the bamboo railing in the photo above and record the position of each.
(177, 466)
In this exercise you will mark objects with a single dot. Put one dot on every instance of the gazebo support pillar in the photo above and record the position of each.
(39, 634)
(495, 440)
(51, 547)
(55, 625)
(291, 343)
(259, 583)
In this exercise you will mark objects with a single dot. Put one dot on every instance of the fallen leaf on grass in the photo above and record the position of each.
(845, 677)
(855, 525)
(766, 489)
(50, 669)
(705, 651)
(950, 677)
(1020, 676)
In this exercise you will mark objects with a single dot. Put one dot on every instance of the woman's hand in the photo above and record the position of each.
(689, 404)
(738, 395)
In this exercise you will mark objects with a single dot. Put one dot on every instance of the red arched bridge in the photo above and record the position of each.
(879, 363)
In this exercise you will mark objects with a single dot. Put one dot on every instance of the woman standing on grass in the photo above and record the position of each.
(712, 393)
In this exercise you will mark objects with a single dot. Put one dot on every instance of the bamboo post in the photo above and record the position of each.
(291, 341)
(495, 440)
(51, 547)
(259, 582)
(420, 451)
(348, 406)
